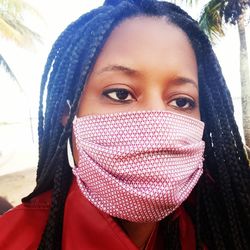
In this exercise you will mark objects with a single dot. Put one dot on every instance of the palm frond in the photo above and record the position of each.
(211, 21)
(5, 65)
(17, 8)
(12, 26)
(14, 30)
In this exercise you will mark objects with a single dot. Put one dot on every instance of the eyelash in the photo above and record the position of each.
(188, 101)
(107, 93)
(191, 103)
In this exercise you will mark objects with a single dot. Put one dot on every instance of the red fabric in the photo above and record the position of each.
(85, 227)
(187, 233)
(22, 227)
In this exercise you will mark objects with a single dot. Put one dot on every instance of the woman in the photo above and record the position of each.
(130, 86)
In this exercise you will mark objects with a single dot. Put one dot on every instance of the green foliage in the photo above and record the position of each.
(12, 25)
(216, 13)
(231, 10)
(211, 20)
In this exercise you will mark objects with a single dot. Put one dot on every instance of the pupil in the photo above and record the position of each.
(122, 94)
(181, 102)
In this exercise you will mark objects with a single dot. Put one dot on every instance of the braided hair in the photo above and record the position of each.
(221, 214)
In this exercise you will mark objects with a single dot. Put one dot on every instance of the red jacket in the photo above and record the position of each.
(84, 226)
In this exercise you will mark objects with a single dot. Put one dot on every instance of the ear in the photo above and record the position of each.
(66, 112)
(71, 144)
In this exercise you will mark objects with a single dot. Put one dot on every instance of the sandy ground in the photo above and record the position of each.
(15, 186)
(18, 158)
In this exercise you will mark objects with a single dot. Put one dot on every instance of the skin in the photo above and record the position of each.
(146, 64)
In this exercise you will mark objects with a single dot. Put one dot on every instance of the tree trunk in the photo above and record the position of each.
(245, 81)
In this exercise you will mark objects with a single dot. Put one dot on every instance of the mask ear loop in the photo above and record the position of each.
(70, 154)
(69, 143)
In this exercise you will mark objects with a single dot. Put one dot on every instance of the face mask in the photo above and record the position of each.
(138, 166)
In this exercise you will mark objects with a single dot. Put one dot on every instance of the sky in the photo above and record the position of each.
(28, 64)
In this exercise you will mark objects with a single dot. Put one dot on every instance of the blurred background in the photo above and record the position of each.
(27, 31)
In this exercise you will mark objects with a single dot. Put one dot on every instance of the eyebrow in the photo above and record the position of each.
(118, 68)
(184, 80)
(115, 67)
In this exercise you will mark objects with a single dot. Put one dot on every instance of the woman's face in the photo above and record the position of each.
(146, 64)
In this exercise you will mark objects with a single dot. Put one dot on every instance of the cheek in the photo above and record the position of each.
(197, 114)
(89, 103)
(94, 106)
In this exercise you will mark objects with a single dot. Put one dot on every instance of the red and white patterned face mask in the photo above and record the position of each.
(138, 166)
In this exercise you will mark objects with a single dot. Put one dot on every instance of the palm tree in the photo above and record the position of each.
(12, 27)
(215, 15)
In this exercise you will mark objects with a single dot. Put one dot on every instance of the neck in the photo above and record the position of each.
(139, 233)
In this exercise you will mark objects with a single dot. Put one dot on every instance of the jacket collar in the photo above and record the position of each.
(86, 226)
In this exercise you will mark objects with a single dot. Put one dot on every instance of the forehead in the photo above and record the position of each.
(147, 39)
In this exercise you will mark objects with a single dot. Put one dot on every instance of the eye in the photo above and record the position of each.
(119, 95)
(183, 103)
